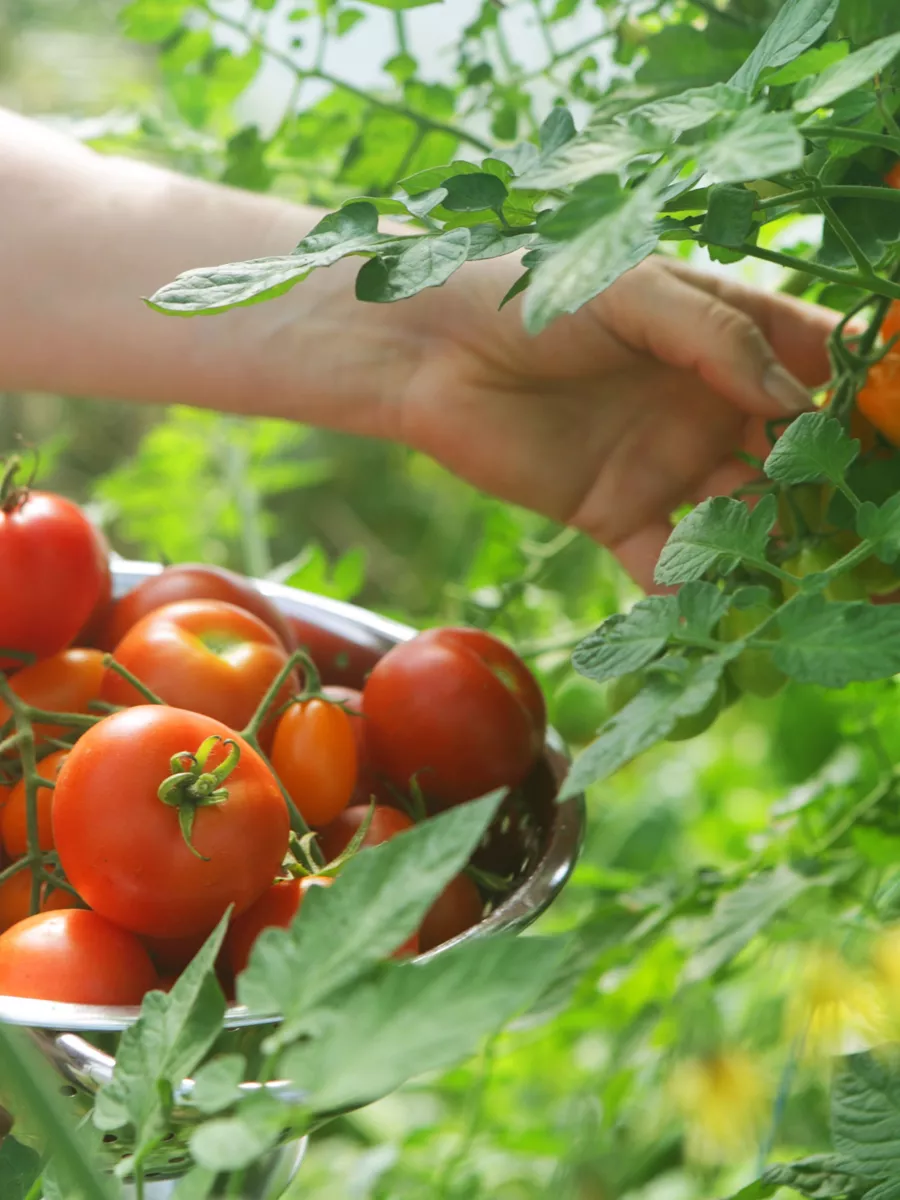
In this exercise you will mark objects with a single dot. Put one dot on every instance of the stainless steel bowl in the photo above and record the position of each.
(534, 838)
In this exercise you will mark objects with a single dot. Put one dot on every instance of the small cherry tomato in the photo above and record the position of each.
(134, 862)
(14, 818)
(814, 559)
(879, 398)
(67, 683)
(623, 689)
(456, 710)
(277, 906)
(386, 823)
(338, 660)
(74, 956)
(367, 782)
(193, 581)
(458, 908)
(753, 671)
(15, 899)
(52, 564)
(694, 724)
(578, 709)
(202, 655)
(892, 179)
(802, 509)
(891, 325)
(314, 756)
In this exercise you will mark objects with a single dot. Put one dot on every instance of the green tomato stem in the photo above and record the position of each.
(150, 696)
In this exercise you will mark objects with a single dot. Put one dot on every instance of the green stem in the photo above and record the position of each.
(886, 115)
(112, 665)
(881, 287)
(30, 775)
(36, 1191)
(851, 245)
(138, 1182)
(400, 31)
(851, 134)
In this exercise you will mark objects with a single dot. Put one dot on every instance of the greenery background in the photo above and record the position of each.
(577, 1105)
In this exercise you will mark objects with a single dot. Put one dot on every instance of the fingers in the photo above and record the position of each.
(658, 312)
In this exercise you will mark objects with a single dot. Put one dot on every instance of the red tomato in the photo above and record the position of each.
(457, 908)
(74, 957)
(67, 682)
(892, 179)
(15, 899)
(4, 796)
(172, 954)
(14, 819)
(52, 565)
(458, 711)
(386, 823)
(193, 581)
(314, 756)
(91, 633)
(367, 782)
(891, 325)
(338, 660)
(203, 655)
(122, 847)
(277, 906)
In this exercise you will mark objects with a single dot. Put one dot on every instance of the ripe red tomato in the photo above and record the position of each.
(14, 818)
(457, 908)
(339, 661)
(879, 399)
(314, 756)
(74, 956)
(15, 899)
(193, 581)
(172, 955)
(891, 324)
(277, 906)
(367, 782)
(91, 633)
(386, 823)
(122, 847)
(458, 711)
(66, 682)
(203, 655)
(52, 565)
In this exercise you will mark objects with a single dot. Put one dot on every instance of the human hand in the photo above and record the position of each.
(615, 416)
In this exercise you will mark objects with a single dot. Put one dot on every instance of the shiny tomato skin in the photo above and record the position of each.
(65, 682)
(14, 819)
(193, 581)
(91, 633)
(45, 540)
(386, 823)
(122, 848)
(459, 907)
(314, 755)
(277, 906)
(457, 710)
(338, 660)
(206, 656)
(15, 899)
(74, 956)
(367, 782)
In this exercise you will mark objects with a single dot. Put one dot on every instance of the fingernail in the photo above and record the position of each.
(786, 390)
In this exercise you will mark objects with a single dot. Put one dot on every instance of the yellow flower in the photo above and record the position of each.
(835, 1008)
(724, 1102)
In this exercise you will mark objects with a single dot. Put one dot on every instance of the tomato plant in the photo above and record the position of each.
(455, 710)
(205, 825)
(578, 709)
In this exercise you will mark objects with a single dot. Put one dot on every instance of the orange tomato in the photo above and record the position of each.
(15, 899)
(879, 400)
(314, 756)
(892, 179)
(66, 682)
(891, 326)
(14, 818)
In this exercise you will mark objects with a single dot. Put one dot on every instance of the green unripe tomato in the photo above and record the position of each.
(802, 509)
(878, 578)
(812, 560)
(623, 690)
(578, 709)
(686, 728)
(753, 671)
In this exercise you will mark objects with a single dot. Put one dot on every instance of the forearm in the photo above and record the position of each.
(83, 238)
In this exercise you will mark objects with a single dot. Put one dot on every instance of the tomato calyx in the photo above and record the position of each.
(13, 495)
(195, 787)
(304, 865)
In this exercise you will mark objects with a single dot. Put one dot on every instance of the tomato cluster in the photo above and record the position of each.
(158, 747)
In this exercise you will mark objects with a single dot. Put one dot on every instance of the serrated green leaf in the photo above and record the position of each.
(692, 108)
(557, 129)
(729, 219)
(833, 644)
(378, 900)
(473, 193)
(757, 1190)
(881, 524)
(411, 265)
(700, 607)
(626, 642)
(756, 144)
(719, 533)
(849, 74)
(813, 449)
(603, 149)
(865, 1114)
(740, 915)
(233, 1143)
(798, 25)
(644, 721)
(810, 62)
(216, 1082)
(419, 1017)
(490, 241)
(819, 1177)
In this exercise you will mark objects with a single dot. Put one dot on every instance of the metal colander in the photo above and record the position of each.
(533, 838)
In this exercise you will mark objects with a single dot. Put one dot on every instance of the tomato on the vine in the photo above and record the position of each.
(314, 755)
(192, 581)
(14, 817)
(753, 671)
(578, 709)
(207, 656)
(386, 823)
(624, 688)
(455, 710)
(879, 398)
(818, 557)
(459, 907)
(15, 899)
(276, 907)
(74, 956)
(66, 683)
(44, 539)
(162, 818)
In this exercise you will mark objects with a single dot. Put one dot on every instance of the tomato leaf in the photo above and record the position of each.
(153, 20)
(813, 449)
(419, 1017)
(690, 109)
(19, 1168)
(842, 77)
(740, 915)
(626, 642)
(832, 643)
(643, 722)
(798, 25)
(216, 1082)
(557, 129)
(810, 62)
(472, 193)
(729, 219)
(490, 241)
(196, 1185)
(865, 1114)
(881, 525)
(412, 264)
(819, 1177)
(602, 149)
(233, 1143)
(701, 606)
(719, 533)
(375, 904)
(755, 144)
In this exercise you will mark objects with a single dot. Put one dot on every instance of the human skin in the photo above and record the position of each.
(608, 420)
